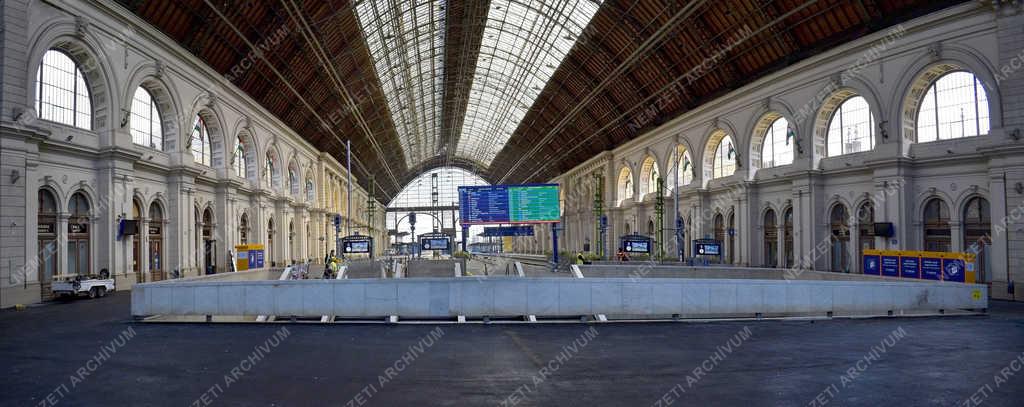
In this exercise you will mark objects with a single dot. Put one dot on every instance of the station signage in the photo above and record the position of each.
(528, 203)
(636, 244)
(707, 247)
(508, 231)
(356, 244)
(435, 241)
(942, 266)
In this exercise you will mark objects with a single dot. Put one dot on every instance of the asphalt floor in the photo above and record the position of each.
(91, 353)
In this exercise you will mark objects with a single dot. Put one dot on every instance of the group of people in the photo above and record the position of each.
(331, 265)
(621, 255)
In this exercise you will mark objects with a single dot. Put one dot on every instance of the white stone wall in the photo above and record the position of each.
(898, 175)
(117, 52)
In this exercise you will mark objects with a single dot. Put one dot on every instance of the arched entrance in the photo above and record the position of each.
(720, 233)
(209, 243)
(865, 230)
(243, 229)
(787, 237)
(47, 221)
(771, 240)
(79, 233)
(291, 241)
(730, 233)
(840, 239)
(137, 242)
(270, 242)
(937, 233)
(977, 234)
(155, 233)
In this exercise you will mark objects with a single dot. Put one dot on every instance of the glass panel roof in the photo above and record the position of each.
(419, 192)
(523, 43)
(406, 41)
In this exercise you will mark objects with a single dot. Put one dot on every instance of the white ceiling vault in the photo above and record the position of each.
(523, 43)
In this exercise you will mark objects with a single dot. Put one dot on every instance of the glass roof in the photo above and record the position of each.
(406, 41)
(523, 43)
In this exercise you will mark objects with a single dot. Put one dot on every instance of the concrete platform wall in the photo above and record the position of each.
(449, 297)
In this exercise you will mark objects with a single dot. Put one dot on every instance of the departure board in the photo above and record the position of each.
(531, 203)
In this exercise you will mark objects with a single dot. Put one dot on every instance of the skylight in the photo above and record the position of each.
(523, 43)
(406, 41)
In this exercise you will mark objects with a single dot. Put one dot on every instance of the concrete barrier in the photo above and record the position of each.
(545, 297)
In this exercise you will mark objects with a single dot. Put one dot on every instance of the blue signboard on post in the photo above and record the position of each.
(953, 269)
(707, 247)
(872, 265)
(891, 266)
(931, 268)
(508, 231)
(910, 267)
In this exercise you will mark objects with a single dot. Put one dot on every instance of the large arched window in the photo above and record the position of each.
(420, 192)
(852, 128)
(955, 106)
(777, 148)
(724, 163)
(624, 185)
(293, 181)
(240, 157)
(145, 120)
(200, 142)
(649, 175)
(62, 94)
(269, 170)
(937, 232)
(685, 167)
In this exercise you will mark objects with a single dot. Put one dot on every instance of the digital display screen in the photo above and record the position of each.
(637, 246)
(707, 248)
(439, 243)
(362, 246)
(531, 203)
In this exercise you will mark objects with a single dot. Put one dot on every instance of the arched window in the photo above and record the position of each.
(771, 240)
(624, 185)
(977, 234)
(725, 159)
(293, 181)
(200, 142)
(62, 95)
(839, 221)
(240, 157)
(777, 148)
(648, 177)
(852, 128)
(937, 232)
(685, 168)
(145, 120)
(719, 230)
(268, 170)
(310, 191)
(955, 106)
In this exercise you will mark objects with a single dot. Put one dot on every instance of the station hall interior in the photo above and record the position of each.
(585, 161)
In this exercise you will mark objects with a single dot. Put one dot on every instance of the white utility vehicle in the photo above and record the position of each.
(75, 285)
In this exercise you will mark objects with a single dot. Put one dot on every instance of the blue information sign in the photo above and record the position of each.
(707, 247)
(872, 265)
(508, 231)
(910, 267)
(531, 203)
(953, 270)
(891, 266)
(931, 268)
